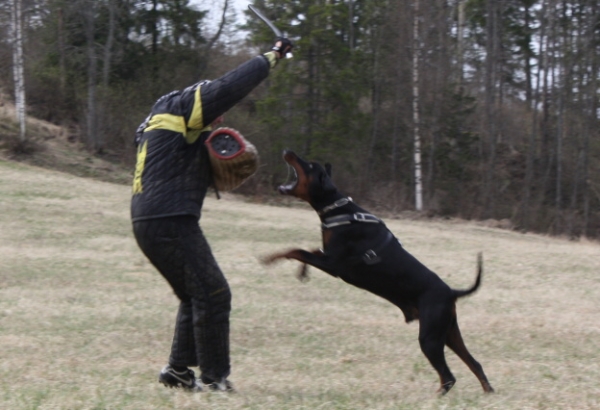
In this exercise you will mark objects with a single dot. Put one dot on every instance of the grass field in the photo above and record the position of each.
(86, 322)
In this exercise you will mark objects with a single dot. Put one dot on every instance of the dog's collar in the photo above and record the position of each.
(348, 219)
(340, 202)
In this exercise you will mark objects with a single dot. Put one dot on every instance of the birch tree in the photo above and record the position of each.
(415, 108)
(19, 78)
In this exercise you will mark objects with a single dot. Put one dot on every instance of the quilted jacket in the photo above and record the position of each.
(172, 171)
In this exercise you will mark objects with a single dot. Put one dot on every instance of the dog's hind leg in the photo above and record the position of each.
(455, 342)
(434, 323)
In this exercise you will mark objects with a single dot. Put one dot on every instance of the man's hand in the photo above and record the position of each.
(282, 47)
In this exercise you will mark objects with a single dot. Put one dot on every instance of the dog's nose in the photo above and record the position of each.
(288, 154)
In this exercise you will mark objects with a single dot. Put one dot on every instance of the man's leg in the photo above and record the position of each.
(211, 306)
(162, 241)
(177, 247)
(183, 348)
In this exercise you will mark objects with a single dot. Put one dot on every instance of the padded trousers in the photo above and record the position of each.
(177, 247)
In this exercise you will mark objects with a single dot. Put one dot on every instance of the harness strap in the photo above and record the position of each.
(371, 256)
(336, 204)
(348, 219)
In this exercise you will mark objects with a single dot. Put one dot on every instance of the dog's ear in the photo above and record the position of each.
(326, 182)
(328, 169)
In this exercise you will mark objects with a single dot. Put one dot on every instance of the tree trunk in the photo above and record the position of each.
(217, 35)
(89, 11)
(490, 100)
(415, 106)
(62, 65)
(375, 112)
(592, 120)
(548, 61)
(531, 152)
(460, 41)
(564, 82)
(311, 90)
(109, 43)
(351, 43)
(19, 77)
(592, 126)
(527, 57)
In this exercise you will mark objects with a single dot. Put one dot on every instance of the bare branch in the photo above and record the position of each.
(215, 38)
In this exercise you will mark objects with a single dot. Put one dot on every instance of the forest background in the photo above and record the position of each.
(494, 103)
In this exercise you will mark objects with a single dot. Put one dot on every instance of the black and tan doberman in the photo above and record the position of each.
(360, 249)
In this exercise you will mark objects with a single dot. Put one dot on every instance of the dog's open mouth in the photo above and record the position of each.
(292, 178)
(291, 181)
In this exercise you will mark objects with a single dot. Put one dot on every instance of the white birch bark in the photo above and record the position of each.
(17, 45)
(415, 106)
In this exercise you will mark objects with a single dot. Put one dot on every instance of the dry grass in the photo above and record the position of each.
(50, 146)
(86, 322)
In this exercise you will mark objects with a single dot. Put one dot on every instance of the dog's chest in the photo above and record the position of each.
(326, 235)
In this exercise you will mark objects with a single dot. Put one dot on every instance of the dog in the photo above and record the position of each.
(359, 249)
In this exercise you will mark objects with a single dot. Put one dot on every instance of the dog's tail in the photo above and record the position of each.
(459, 293)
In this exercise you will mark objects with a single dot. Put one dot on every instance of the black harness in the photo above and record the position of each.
(346, 219)
(370, 256)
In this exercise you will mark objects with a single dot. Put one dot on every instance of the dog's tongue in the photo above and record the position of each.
(284, 189)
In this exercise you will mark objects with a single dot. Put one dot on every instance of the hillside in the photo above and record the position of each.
(86, 322)
(53, 147)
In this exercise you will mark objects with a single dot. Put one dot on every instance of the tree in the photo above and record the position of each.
(491, 71)
(416, 121)
(316, 99)
(19, 77)
(88, 11)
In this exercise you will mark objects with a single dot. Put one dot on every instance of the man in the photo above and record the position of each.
(171, 178)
